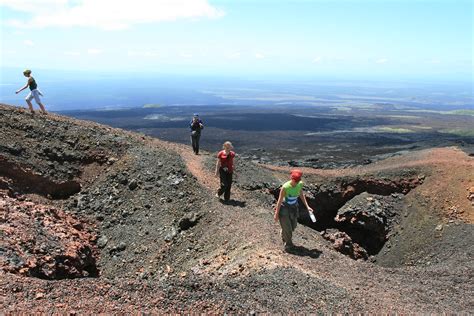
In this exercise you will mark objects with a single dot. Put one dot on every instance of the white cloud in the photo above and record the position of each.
(434, 61)
(72, 53)
(259, 56)
(316, 60)
(34, 5)
(28, 43)
(147, 53)
(94, 51)
(381, 61)
(107, 14)
(235, 55)
(186, 55)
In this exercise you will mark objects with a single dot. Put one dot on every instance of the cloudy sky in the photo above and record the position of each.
(390, 38)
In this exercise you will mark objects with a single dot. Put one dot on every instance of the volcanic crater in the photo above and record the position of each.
(98, 219)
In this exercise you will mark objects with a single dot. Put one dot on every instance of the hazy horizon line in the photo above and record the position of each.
(271, 77)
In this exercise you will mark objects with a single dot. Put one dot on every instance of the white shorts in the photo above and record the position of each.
(34, 94)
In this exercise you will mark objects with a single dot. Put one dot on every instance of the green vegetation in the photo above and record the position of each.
(421, 127)
(152, 106)
(453, 112)
(397, 130)
(342, 108)
(411, 117)
(462, 112)
(459, 132)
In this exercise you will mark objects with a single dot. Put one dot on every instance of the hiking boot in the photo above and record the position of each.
(289, 247)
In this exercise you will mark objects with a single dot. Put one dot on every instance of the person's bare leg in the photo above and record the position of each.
(30, 105)
(42, 107)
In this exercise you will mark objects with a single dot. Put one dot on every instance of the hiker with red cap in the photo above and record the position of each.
(287, 208)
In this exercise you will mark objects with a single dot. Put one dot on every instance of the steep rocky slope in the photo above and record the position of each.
(96, 219)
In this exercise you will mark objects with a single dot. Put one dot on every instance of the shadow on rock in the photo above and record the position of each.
(234, 203)
(305, 252)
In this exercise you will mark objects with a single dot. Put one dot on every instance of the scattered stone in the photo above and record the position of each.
(123, 180)
(133, 184)
(102, 241)
(171, 234)
(189, 220)
(470, 195)
(112, 160)
(120, 247)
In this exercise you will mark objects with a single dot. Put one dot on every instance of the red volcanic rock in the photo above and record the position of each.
(470, 196)
(344, 244)
(42, 241)
(350, 191)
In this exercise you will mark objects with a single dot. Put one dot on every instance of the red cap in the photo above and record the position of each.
(296, 174)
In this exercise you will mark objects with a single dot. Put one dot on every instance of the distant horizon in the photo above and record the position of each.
(14, 72)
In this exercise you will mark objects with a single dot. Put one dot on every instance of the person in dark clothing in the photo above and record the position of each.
(225, 169)
(196, 126)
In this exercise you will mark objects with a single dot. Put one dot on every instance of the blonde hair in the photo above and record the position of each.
(27, 72)
(227, 143)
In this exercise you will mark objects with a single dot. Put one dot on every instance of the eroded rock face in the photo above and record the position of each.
(368, 218)
(43, 241)
(15, 177)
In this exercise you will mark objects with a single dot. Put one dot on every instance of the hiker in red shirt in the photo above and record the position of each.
(225, 169)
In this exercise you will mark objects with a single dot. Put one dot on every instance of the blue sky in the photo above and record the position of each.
(357, 39)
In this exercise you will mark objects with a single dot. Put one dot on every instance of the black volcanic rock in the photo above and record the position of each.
(133, 184)
(189, 220)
